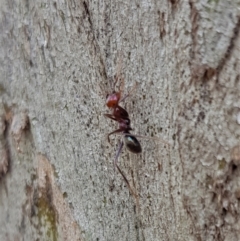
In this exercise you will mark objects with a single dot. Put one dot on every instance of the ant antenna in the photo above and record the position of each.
(129, 93)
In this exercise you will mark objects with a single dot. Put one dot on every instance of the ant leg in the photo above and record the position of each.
(148, 137)
(117, 155)
(124, 177)
(128, 184)
(110, 116)
(116, 131)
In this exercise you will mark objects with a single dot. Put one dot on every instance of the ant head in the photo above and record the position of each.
(113, 99)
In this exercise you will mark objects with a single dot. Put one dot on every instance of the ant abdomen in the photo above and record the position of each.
(132, 143)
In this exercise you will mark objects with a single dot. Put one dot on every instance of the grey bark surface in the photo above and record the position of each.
(58, 59)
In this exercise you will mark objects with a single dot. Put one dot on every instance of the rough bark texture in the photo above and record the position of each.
(56, 175)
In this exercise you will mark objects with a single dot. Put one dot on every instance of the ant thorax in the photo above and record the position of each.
(120, 113)
(124, 124)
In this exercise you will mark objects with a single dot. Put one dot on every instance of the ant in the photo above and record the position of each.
(120, 115)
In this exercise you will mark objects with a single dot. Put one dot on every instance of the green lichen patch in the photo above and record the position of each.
(47, 218)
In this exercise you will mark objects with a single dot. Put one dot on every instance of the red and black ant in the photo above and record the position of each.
(120, 115)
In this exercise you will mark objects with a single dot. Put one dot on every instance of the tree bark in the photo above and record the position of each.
(58, 62)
